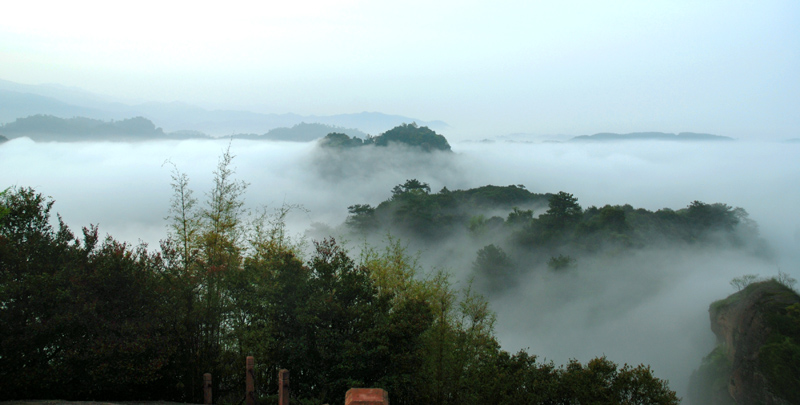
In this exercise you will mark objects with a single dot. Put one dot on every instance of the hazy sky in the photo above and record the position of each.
(487, 68)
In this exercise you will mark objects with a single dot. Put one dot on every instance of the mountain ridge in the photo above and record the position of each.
(21, 100)
(660, 136)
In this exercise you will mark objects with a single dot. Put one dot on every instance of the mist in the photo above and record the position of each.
(647, 307)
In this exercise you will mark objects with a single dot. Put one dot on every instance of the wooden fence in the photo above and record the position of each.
(354, 396)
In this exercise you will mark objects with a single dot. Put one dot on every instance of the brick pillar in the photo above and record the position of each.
(207, 389)
(250, 385)
(283, 387)
(366, 396)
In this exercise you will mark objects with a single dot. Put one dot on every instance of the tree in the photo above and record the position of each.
(78, 319)
(560, 262)
(185, 220)
(340, 140)
(741, 282)
(3, 209)
(412, 186)
(557, 225)
(518, 217)
(412, 135)
(494, 269)
(362, 217)
(563, 210)
(221, 243)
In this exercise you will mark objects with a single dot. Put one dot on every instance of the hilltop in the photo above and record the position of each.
(406, 134)
(757, 357)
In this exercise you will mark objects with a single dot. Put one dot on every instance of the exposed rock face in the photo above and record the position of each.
(758, 352)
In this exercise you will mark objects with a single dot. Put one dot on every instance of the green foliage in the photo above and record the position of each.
(83, 320)
(340, 140)
(3, 209)
(518, 217)
(412, 135)
(780, 362)
(406, 134)
(414, 211)
(78, 319)
(563, 209)
(709, 383)
(412, 186)
(564, 230)
(494, 269)
(776, 359)
(560, 262)
(556, 225)
(522, 380)
(779, 358)
(362, 217)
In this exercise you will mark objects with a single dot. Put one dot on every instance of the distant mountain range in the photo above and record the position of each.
(302, 132)
(655, 136)
(51, 128)
(21, 101)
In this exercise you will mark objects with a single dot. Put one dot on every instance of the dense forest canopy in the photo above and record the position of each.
(522, 231)
(406, 134)
(85, 318)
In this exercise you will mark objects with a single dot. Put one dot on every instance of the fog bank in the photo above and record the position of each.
(647, 307)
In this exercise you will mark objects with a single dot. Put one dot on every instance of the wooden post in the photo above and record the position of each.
(283, 387)
(207, 389)
(250, 385)
(366, 396)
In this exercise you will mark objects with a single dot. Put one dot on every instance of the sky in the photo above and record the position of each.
(486, 68)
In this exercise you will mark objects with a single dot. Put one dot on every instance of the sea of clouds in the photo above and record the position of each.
(648, 307)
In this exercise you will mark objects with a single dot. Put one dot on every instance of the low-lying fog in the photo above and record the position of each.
(646, 308)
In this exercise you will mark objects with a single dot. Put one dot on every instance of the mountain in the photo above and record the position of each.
(757, 358)
(51, 128)
(20, 100)
(15, 105)
(649, 136)
(411, 135)
(302, 132)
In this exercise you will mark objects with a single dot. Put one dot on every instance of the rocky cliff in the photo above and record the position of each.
(757, 358)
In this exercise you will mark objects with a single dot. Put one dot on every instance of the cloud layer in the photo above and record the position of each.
(649, 307)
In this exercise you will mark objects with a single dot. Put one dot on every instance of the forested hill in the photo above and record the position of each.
(94, 318)
(3, 139)
(412, 209)
(522, 231)
(51, 128)
(406, 134)
(649, 136)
